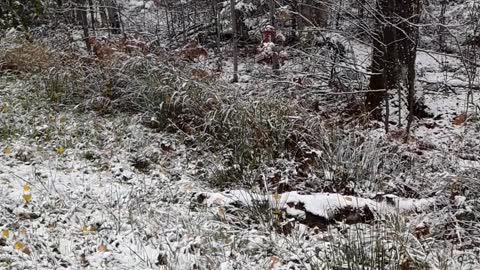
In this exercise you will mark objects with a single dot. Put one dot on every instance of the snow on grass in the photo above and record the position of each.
(94, 206)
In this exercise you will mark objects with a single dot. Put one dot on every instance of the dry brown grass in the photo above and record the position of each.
(26, 58)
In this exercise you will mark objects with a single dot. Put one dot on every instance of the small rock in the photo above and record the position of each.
(161, 259)
(83, 261)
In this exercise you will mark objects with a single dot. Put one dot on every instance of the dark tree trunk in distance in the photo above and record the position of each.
(113, 16)
(234, 20)
(396, 36)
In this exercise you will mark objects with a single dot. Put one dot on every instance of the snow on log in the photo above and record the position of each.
(320, 208)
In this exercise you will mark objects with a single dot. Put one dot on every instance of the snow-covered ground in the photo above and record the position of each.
(90, 207)
(84, 189)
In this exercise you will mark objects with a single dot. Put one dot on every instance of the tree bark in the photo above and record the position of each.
(377, 80)
(234, 40)
(396, 36)
(217, 35)
(113, 16)
(103, 13)
(184, 29)
(82, 20)
(441, 28)
(92, 14)
(381, 55)
(271, 6)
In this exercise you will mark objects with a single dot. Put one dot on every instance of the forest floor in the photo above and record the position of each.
(98, 187)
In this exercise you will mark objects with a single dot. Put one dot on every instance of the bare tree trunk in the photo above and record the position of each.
(234, 40)
(184, 30)
(113, 16)
(398, 37)
(408, 45)
(295, 15)
(92, 14)
(441, 29)
(168, 20)
(173, 20)
(82, 19)
(103, 13)
(271, 6)
(377, 80)
(217, 35)
(382, 57)
(78, 12)
(242, 29)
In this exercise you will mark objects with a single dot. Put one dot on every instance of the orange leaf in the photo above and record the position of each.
(459, 119)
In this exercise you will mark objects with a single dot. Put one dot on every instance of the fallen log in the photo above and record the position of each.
(320, 209)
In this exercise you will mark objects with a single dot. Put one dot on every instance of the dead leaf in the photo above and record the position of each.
(274, 261)
(102, 248)
(23, 231)
(27, 197)
(459, 119)
(60, 150)
(27, 251)
(19, 246)
(52, 226)
(422, 231)
(221, 213)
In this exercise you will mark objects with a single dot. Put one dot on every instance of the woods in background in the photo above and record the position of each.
(233, 27)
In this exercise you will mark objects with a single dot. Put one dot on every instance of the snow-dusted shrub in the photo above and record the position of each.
(351, 162)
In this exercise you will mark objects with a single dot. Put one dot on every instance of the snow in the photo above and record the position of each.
(322, 204)
(105, 212)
